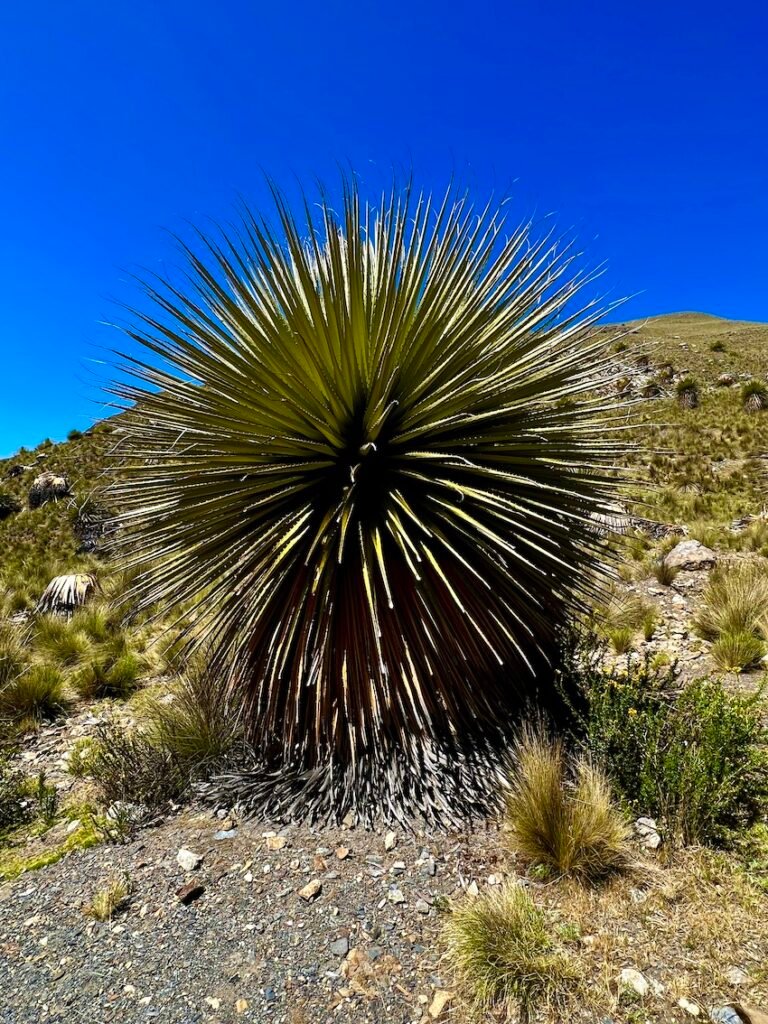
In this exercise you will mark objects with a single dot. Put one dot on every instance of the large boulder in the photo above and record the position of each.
(48, 487)
(691, 554)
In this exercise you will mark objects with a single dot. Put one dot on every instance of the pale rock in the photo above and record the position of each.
(395, 896)
(631, 980)
(440, 1000)
(689, 1007)
(311, 890)
(648, 832)
(390, 841)
(276, 842)
(736, 976)
(691, 554)
(187, 860)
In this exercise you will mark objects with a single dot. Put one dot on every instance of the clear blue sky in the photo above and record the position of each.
(643, 127)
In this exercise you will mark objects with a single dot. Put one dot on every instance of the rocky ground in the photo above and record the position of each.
(247, 923)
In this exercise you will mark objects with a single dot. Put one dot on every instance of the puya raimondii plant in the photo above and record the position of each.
(364, 451)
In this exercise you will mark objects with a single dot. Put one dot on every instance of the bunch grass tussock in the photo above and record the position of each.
(735, 601)
(502, 951)
(560, 813)
(113, 898)
(404, 449)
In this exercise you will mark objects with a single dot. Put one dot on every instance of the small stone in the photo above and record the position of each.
(648, 833)
(736, 976)
(190, 892)
(430, 866)
(472, 889)
(340, 947)
(241, 1006)
(440, 1000)
(390, 841)
(421, 907)
(311, 890)
(213, 1002)
(342, 852)
(187, 860)
(276, 842)
(631, 980)
(690, 1007)
(398, 868)
(395, 896)
(225, 833)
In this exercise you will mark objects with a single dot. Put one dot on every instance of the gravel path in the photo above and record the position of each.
(250, 947)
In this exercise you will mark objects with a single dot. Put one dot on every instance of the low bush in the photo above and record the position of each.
(177, 741)
(560, 813)
(696, 758)
(501, 949)
(79, 757)
(15, 806)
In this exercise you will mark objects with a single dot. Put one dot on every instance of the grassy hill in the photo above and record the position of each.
(101, 732)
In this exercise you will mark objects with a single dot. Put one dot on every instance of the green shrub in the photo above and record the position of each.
(197, 722)
(127, 767)
(15, 805)
(560, 813)
(13, 654)
(501, 948)
(697, 759)
(47, 799)
(80, 757)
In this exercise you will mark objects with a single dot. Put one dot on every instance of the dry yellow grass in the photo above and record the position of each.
(560, 813)
(685, 926)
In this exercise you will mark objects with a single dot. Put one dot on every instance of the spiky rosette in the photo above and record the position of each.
(369, 455)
